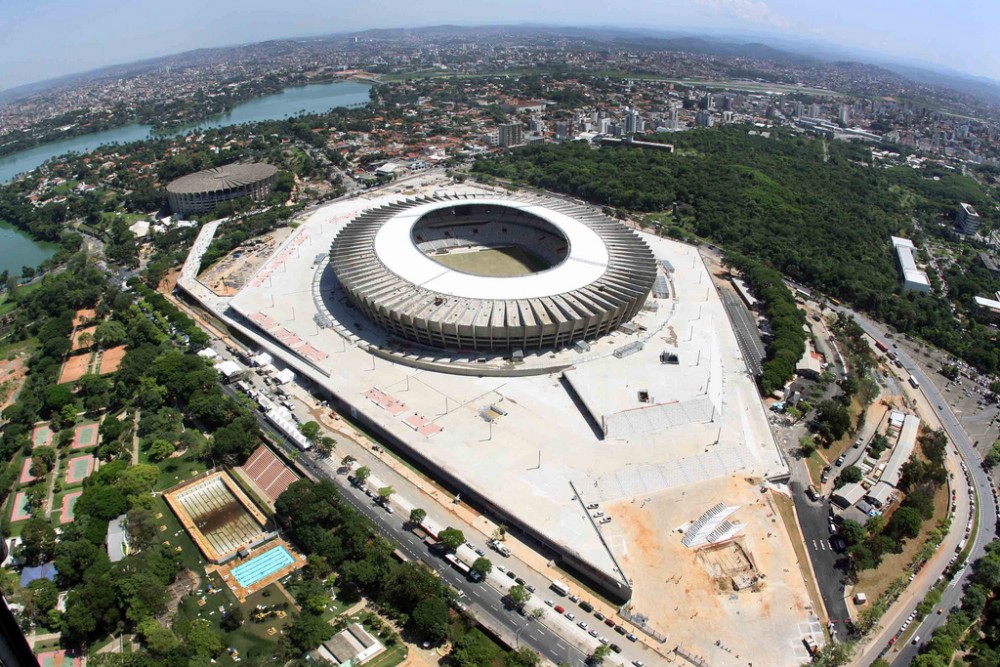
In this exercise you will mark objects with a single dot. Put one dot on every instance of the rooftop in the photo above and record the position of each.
(222, 178)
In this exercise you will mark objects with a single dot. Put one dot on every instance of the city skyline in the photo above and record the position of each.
(104, 33)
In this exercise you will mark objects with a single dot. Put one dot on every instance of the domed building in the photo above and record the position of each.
(202, 191)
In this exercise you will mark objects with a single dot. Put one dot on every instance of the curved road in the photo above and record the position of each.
(986, 507)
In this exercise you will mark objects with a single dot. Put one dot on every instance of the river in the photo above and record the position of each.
(18, 249)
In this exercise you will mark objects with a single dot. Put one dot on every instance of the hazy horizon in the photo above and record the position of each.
(103, 33)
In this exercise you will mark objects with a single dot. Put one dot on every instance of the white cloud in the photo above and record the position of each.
(748, 11)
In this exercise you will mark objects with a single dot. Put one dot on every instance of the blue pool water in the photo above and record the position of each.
(255, 569)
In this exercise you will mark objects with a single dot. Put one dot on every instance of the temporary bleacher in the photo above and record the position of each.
(269, 472)
(653, 418)
(712, 527)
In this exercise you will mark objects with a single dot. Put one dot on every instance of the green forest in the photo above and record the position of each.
(820, 217)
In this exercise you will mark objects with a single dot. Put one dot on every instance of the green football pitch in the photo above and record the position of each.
(497, 262)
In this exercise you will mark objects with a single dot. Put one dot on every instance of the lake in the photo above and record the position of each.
(314, 98)
(17, 249)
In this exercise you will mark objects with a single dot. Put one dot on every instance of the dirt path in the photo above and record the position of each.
(135, 438)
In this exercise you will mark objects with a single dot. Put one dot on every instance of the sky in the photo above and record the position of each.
(41, 39)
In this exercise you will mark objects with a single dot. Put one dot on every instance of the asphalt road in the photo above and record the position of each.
(986, 507)
(815, 525)
(482, 599)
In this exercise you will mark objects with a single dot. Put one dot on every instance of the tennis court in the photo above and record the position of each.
(41, 436)
(260, 567)
(58, 659)
(21, 510)
(85, 435)
(66, 513)
(26, 476)
(79, 468)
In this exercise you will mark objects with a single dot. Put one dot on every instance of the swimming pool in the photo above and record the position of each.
(259, 567)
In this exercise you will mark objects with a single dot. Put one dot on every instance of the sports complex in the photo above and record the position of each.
(543, 360)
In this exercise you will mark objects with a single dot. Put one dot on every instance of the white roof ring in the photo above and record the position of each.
(587, 260)
(600, 277)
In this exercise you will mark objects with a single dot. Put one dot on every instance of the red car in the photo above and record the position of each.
(559, 609)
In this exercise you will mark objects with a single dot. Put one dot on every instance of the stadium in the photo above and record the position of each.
(492, 275)
(540, 360)
(204, 190)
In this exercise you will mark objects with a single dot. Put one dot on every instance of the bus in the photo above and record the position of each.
(399, 555)
(913, 382)
(559, 587)
(457, 564)
(882, 347)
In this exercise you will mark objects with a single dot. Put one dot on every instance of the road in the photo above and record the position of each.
(554, 637)
(985, 506)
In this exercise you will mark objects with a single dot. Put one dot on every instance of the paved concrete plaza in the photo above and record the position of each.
(615, 424)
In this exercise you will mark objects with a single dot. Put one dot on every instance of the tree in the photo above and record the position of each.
(599, 654)
(309, 631)
(324, 445)
(852, 532)
(201, 639)
(362, 474)
(905, 522)
(347, 461)
(141, 529)
(40, 598)
(385, 493)
(232, 620)
(519, 595)
(110, 333)
(451, 538)
(311, 430)
(417, 516)
(850, 474)
(160, 450)
(832, 419)
(522, 657)
(833, 654)
(430, 619)
(482, 566)
(159, 639)
(38, 541)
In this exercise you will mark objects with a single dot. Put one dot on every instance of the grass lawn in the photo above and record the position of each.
(252, 638)
(816, 463)
(390, 658)
(190, 555)
(10, 350)
(875, 582)
(173, 471)
(110, 216)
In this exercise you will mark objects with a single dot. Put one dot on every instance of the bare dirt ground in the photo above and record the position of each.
(227, 276)
(12, 374)
(688, 594)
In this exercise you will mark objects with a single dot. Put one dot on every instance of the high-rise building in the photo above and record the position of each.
(844, 115)
(968, 220)
(704, 119)
(707, 102)
(562, 130)
(510, 134)
(798, 109)
(814, 110)
(631, 121)
(674, 120)
(604, 127)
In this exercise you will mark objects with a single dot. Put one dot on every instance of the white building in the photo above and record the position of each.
(914, 280)
(968, 219)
